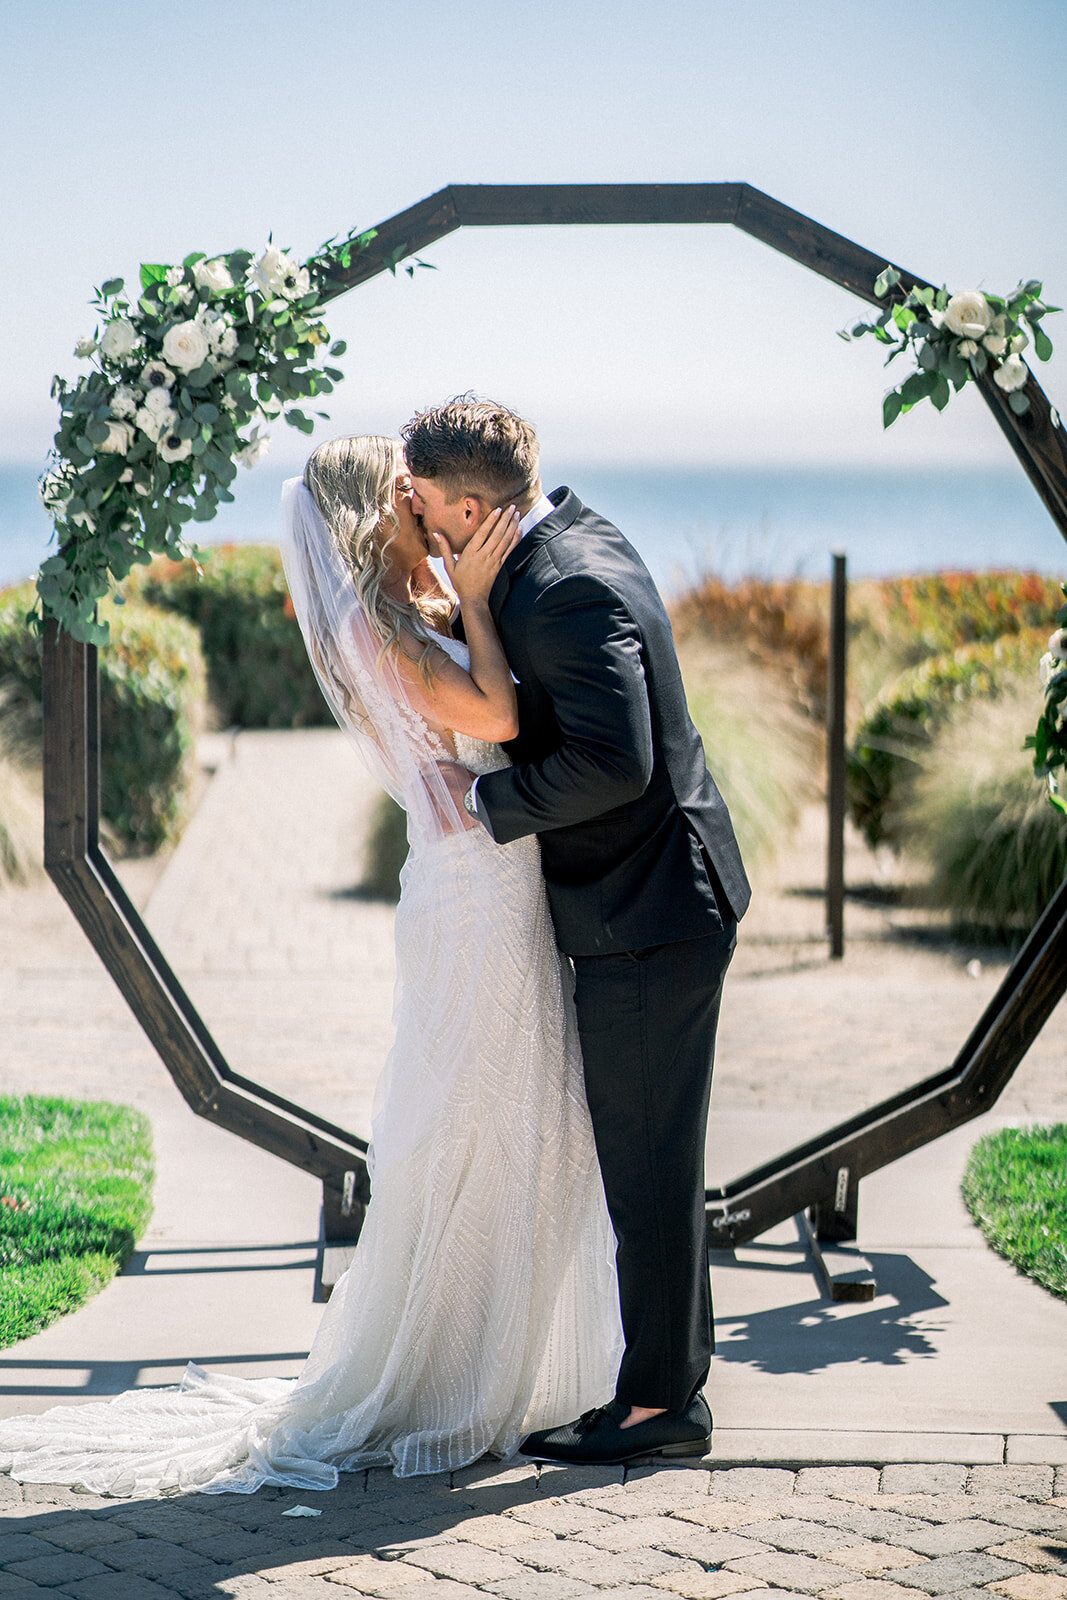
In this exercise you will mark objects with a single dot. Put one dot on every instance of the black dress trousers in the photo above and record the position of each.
(647, 1021)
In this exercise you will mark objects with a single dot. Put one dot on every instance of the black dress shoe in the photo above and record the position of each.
(599, 1439)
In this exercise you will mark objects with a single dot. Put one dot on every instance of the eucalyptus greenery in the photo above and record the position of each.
(1049, 739)
(185, 372)
(956, 337)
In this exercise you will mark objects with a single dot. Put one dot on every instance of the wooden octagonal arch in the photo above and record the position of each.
(824, 1172)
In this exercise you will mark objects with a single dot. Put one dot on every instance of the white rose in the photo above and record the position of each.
(156, 375)
(968, 314)
(1019, 342)
(214, 276)
(84, 519)
(995, 343)
(84, 348)
(185, 346)
(154, 422)
(118, 441)
(158, 402)
(967, 349)
(119, 339)
(1011, 374)
(174, 276)
(276, 273)
(254, 450)
(127, 476)
(172, 448)
(124, 401)
(999, 323)
(1057, 644)
(228, 403)
(227, 344)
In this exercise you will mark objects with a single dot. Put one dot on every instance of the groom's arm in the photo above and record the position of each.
(588, 654)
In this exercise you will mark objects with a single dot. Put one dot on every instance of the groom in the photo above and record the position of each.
(644, 880)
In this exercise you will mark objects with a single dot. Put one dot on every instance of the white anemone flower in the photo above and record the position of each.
(156, 375)
(172, 448)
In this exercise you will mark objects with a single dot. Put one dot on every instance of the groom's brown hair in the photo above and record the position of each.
(473, 447)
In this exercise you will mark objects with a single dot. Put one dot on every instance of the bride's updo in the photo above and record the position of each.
(351, 481)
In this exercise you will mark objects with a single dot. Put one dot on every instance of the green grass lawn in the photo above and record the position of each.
(75, 1195)
(1015, 1187)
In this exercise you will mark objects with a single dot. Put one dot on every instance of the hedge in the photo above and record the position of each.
(898, 727)
(152, 692)
(259, 675)
(936, 612)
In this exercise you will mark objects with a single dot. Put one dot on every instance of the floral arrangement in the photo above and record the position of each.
(184, 378)
(956, 337)
(1049, 739)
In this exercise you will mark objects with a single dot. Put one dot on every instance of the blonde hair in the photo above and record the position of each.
(351, 481)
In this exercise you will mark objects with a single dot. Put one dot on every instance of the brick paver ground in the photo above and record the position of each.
(517, 1533)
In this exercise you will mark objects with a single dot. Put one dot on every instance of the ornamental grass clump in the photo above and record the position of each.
(75, 1196)
(782, 623)
(891, 741)
(997, 850)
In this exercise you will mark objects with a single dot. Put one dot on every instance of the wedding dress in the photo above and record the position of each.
(481, 1302)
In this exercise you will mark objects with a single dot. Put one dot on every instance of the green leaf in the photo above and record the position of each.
(297, 419)
(112, 287)
(1019, 403)
(940, 394)
(903, 316)
(886, 279)
(928, 356)
(891, 406)
(1042, 343)
(955, 368)
(338, 348)
(152, 272)
(917, 387)
(206, 412)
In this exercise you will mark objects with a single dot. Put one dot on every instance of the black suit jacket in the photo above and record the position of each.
(636, 842)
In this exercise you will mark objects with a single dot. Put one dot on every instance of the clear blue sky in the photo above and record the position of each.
(934, 133)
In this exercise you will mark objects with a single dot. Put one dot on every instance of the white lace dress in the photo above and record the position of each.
(481, 1302)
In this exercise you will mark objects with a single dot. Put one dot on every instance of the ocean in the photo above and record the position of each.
(767, 522)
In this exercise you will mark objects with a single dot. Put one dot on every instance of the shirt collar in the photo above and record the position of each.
(537, 513)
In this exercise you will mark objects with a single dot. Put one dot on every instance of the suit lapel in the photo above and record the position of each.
(567, 509)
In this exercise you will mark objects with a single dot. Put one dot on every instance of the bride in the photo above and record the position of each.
(481, 1302)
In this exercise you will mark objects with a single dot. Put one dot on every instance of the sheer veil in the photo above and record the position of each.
(362, 686)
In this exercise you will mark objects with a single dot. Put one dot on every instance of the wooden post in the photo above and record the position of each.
(835, 759)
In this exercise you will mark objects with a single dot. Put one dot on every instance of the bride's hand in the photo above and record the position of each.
(473, 572)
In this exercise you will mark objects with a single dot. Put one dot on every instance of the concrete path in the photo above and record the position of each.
(959, 1362)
